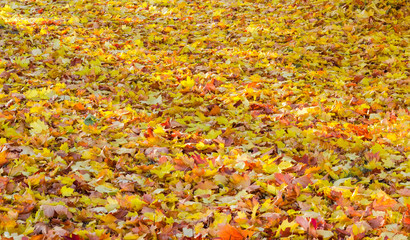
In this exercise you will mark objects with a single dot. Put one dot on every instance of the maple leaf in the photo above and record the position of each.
(38, 127)
(90, 119)
(274, 115)
(3, 158)
(383, 202)
(188, 83)
(163, 170)
(228, 232)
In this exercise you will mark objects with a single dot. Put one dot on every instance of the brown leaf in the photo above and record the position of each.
(304, 181)
(205, 185)
(61, 210)
(127, 187)
(303, 222)
(156, 152)
(3, 183)
(404, 192)
(281, 78)
(376, 222)
(40, 228)
(48, 210)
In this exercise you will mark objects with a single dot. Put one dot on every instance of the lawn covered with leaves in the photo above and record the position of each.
(168, 119)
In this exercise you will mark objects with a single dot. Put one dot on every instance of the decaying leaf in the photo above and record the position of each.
(159, 119)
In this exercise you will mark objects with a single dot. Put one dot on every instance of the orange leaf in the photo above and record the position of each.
(210, 86)
(215, 110)
(3, 158)
(406, 218)
(229, 232)
(384, 202)
(37, 237)
(79, 107)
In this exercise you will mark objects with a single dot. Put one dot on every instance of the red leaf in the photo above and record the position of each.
(73, 237)
(198, 159)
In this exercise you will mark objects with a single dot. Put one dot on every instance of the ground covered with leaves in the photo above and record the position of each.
(168, 119)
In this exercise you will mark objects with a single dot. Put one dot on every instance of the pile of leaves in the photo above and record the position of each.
(192, 119)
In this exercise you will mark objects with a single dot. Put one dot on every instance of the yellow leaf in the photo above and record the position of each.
(112, 204)
(267, 205)
(137, 203)
(64, 147)
(377, 148)
(7, 8)
(325, 233)
(36, 109)
(188, 83)
(109, 218)
(201, 146)
(271, 168)
(88, 154)
(284, 225)
(213, 134)
(271, 189)
(38, 127)
(163, 170)
(43, 31)
(156, 216)
(343, 143)
(106, 188)
(66, 180)
(130, 236)
(222, 120)
(159, 131)
(388, 163)
(254, 211)
(357, 229)
(392, 137)
(66, 191)
(74, 20)
(221, 218)
(285, 165)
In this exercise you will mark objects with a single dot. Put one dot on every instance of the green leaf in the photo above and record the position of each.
(90, 120)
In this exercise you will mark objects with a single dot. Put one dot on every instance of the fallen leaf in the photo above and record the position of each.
(228, 232)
